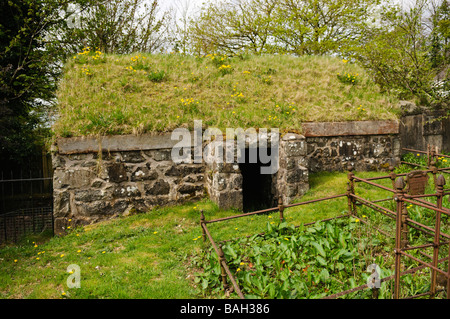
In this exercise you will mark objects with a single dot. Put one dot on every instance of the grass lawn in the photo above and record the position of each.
(133, 94)
(145, 255)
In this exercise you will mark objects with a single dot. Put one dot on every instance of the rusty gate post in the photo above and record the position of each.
(399, 193)
(440, 182)
(434, 171)
(351, 190)
(281, 208)
(404, 231)
(392, 175)
(448, 274)
(203, 222)
(223, 273)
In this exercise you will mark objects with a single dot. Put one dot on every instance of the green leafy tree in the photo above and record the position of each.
(319, 27)
(234, 26)
(293, 26)
(117, 26)
(403, 55)
(28, 73)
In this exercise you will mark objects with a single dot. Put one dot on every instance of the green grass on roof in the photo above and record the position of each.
(134, 94)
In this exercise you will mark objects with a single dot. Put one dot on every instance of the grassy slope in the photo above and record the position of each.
(110, 94)
(145, 255)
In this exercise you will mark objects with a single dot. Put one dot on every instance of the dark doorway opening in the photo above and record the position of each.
(257, 189)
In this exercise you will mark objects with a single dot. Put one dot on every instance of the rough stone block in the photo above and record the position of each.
(116, 172)
(143, 174)
(89, 195)
(190, 189)
(73, 178)
(132, 157)
(160, 187)
(229, 200)
(297, 148)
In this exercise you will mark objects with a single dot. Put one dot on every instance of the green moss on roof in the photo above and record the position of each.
(133, 94)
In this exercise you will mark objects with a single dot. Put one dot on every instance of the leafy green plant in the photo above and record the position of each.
(348, 78)
(157, 76)
(293, 262)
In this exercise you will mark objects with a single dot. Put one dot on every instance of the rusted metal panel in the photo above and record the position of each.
(417, 181)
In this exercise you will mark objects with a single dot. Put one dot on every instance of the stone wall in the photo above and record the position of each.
(224, 181)
(293, 174)
(96, 178)
(368, 145)
(90, 186)
(417, 131)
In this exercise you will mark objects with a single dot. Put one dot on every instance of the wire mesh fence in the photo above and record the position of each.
(14, 225)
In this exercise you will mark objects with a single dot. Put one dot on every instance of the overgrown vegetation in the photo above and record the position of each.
(123, 94)
(324, 258)
(160, 253)
(146, 255)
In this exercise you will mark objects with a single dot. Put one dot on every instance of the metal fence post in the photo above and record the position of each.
(392, 175)
(440, 182)
(399, 187)
(281, 208)
(351, 190)
(222, 268)
(203, 222)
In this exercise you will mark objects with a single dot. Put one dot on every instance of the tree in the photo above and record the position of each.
(118, 26)
(294, 26)
(235, 26)
(319, 27)
(28, 73)
(402, 54)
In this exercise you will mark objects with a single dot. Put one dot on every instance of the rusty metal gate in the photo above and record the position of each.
(406, 188)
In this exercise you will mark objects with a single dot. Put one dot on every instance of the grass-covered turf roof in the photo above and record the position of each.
(140, 93)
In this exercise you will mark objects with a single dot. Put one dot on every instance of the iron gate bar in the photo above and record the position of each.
(426, 245)
(409, 220)
(373, 184)
(414, 151)
(413, 164)
(224, 264)
(431, 204)
(405, 272)
(426, 206)
(381, 209)
(315, 200)
(420, 196)
(274, 209)
(381, 200)
(400, 251)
